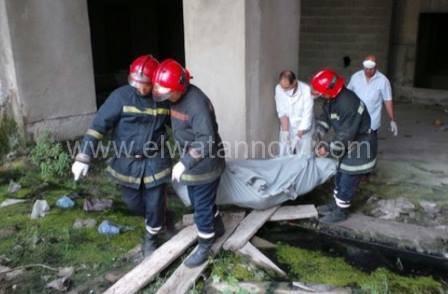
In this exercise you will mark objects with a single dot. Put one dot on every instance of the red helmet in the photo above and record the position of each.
(327, 82)
(171, 76)
(142, 70)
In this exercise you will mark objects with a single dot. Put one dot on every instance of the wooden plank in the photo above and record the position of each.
(248, 227)
(148, 269)
(286, 213)
(183, 278)
(273, 287)
(261, 243)
(260, 259)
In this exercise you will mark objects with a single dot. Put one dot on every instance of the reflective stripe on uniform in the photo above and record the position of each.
(149, 111)
(206, 235)
(123, 178)
(134, 180)
(157, 176)
(153, 231)
(201, 177)
(95, 134)
(342, 203)
(361, 108)
(324, 124)
(355, 168)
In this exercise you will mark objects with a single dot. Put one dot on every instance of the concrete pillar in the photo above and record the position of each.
(235, 50)
(50, 65)
(9, 101)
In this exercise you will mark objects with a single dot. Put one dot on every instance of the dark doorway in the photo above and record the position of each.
(431, 70)
(122, 30)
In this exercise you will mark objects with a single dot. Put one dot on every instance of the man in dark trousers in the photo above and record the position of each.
(202, 154)
(354, 143)
(137, 126)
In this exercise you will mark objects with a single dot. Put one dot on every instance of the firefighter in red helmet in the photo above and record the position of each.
(141, 165)
(202, 154)
(354, 143)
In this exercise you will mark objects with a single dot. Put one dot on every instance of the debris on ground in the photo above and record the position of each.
(84, 223)
(13, 187)
(391, 209)
(97, 204)
(65, 202)
(429, 207)
(60, 284)
(114, 276)
(40, 209)
(11, 201)
(66, 271)
(108, 228)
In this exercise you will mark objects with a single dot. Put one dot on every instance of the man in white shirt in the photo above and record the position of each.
(374, 89)
(294, 104)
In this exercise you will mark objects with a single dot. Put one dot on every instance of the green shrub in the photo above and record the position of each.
(8, 136)
(51, 158)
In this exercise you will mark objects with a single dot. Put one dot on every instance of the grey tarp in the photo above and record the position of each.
(260, 184)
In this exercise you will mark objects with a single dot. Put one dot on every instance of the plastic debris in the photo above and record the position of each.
(61, 284)
(40, 209)
(66, 271)
(108, 228)
(11, 201)
(84, 223)
(97, 204)
(65, 202)
(14, 187)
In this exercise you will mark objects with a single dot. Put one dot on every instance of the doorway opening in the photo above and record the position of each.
(431, 69)
(122, 30)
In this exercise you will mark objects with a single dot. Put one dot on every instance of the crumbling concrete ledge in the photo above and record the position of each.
(410, 237)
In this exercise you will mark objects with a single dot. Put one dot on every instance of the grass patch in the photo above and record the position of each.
(314, 267)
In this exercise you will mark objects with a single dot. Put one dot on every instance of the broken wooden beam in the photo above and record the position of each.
(148, 269)
(261, 243)
(248, 227)
(260, 259)
(270, 287)
(286, 213)
(184, 278)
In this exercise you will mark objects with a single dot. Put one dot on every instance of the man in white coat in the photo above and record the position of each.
(374, 89)
(294, 104)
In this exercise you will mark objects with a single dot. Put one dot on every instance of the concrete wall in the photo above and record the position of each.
(235, 50)
(53, 65)
(332, 29)
(272, 43)
(215, 55)
(9, 100)
(404, 47)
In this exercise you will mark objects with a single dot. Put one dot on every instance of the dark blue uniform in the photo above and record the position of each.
(196, 133)
(140, 163)
(354, 143)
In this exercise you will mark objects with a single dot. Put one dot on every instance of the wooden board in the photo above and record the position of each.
(286, 213)
(184, 278)
(148, 269)
(260, 259)
(261, 243)
(273, 287)
(248, 227)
